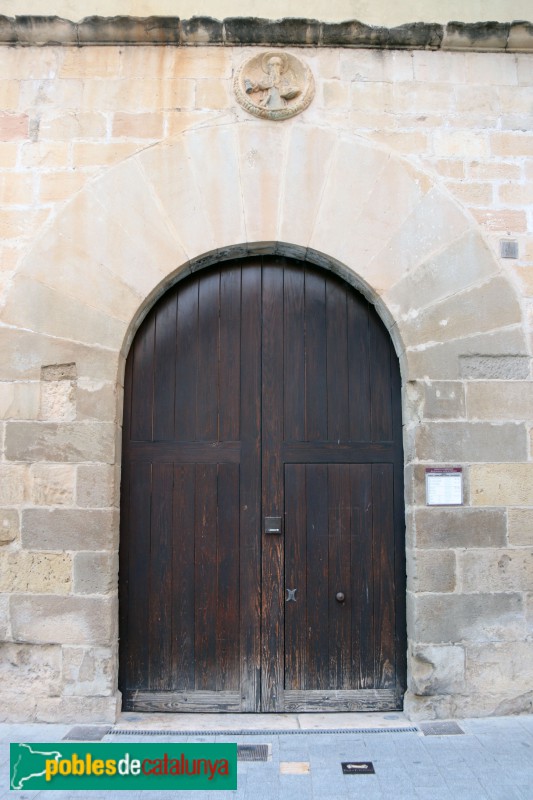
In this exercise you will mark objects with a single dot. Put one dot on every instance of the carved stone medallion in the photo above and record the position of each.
(274, 85)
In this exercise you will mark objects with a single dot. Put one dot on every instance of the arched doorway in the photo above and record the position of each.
(262, 524)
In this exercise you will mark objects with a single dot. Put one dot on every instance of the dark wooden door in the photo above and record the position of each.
(263, 388)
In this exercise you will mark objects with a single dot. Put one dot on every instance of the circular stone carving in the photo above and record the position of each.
(274, 85)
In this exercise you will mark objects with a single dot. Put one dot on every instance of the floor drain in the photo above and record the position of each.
(86, 733)
(261, 732)
(253, 752)
(440, 729)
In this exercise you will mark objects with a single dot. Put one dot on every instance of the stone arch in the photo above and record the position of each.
(391, 230)
(228, 189)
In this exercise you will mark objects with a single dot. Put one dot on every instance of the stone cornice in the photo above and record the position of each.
(235, 31)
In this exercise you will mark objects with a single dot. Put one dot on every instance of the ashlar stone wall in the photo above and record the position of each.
(124, 168)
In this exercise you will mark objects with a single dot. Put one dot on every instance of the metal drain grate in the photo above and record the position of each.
(253, 752)
(262, 732)
(86, 733)
(440, 729)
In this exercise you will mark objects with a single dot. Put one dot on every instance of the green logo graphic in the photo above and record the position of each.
(109, 766)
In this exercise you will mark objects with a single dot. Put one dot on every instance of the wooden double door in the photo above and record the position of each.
(262, 524)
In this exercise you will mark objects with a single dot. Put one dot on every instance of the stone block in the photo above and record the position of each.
(213, 94)
(30, 669)
(51, 311)
(459, 527)
(437, 670)
(437, 400)
(91, 154)
(418, 707)
(474, 441)
(138, 126)
(16, 189)
(89, 671)
(500, 400)
(456, 618)
(505, 667)
(58, 401)
(502, 220)
(462, 144)
(67, 442)
(22, 354)
(90, 62)
(494, 367)
(19, 223)
(95, 400)
(57, 186)
(49, 619)
(17, 707)
(52, 484)
(23, 571)
(72, 125)
(44, 155)
(8, 154)
(13, 484)
(19, 400)
(529, 613)
(520, 526)
(512, 145)
(431, 571)
(13, 127)
(95, 573)
(495, 570)
(98, 486)
(69, 529)
(4, 616)
(9, 525)
(467, 313)
(74, 710)
(501, 484)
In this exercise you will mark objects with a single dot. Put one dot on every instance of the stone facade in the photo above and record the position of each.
(123, 169)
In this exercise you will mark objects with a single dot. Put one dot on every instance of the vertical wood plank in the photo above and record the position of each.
(380, 381)
(295, 576)
(316, 397)
(250, 488)
(294, 353)
(228, 567)
(340, 628)
(124, 587)
(383, 568)
(230, 354)
(142, 381)
(183, 577)
(139, 575)
(337, 362)
(159, 631)
(207, 396)
(318, 586)
(359, 371)
(165, 368)
(205, 568)
(362, 576)
(186, 362)
(272, 470)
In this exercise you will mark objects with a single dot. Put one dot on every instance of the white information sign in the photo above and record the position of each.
(444, 486)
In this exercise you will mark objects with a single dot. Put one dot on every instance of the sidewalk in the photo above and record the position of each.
(491, 760)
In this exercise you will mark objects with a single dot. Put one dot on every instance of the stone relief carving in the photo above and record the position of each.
(274, 85)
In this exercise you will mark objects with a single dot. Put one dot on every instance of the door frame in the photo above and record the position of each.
(329, 265)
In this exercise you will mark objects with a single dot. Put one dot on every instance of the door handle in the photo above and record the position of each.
(339, 597)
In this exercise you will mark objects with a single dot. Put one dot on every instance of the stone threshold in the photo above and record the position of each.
(228, 723)
(41, 31)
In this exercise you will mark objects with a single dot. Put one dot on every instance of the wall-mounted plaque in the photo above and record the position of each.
(444, 486)
(274, 85)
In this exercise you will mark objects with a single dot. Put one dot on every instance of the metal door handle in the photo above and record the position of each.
(339, 597)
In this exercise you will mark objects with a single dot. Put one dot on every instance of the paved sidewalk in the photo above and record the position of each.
(491, 760)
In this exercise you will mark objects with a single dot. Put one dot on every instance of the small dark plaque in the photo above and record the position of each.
(273, 525)
(357, 768)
